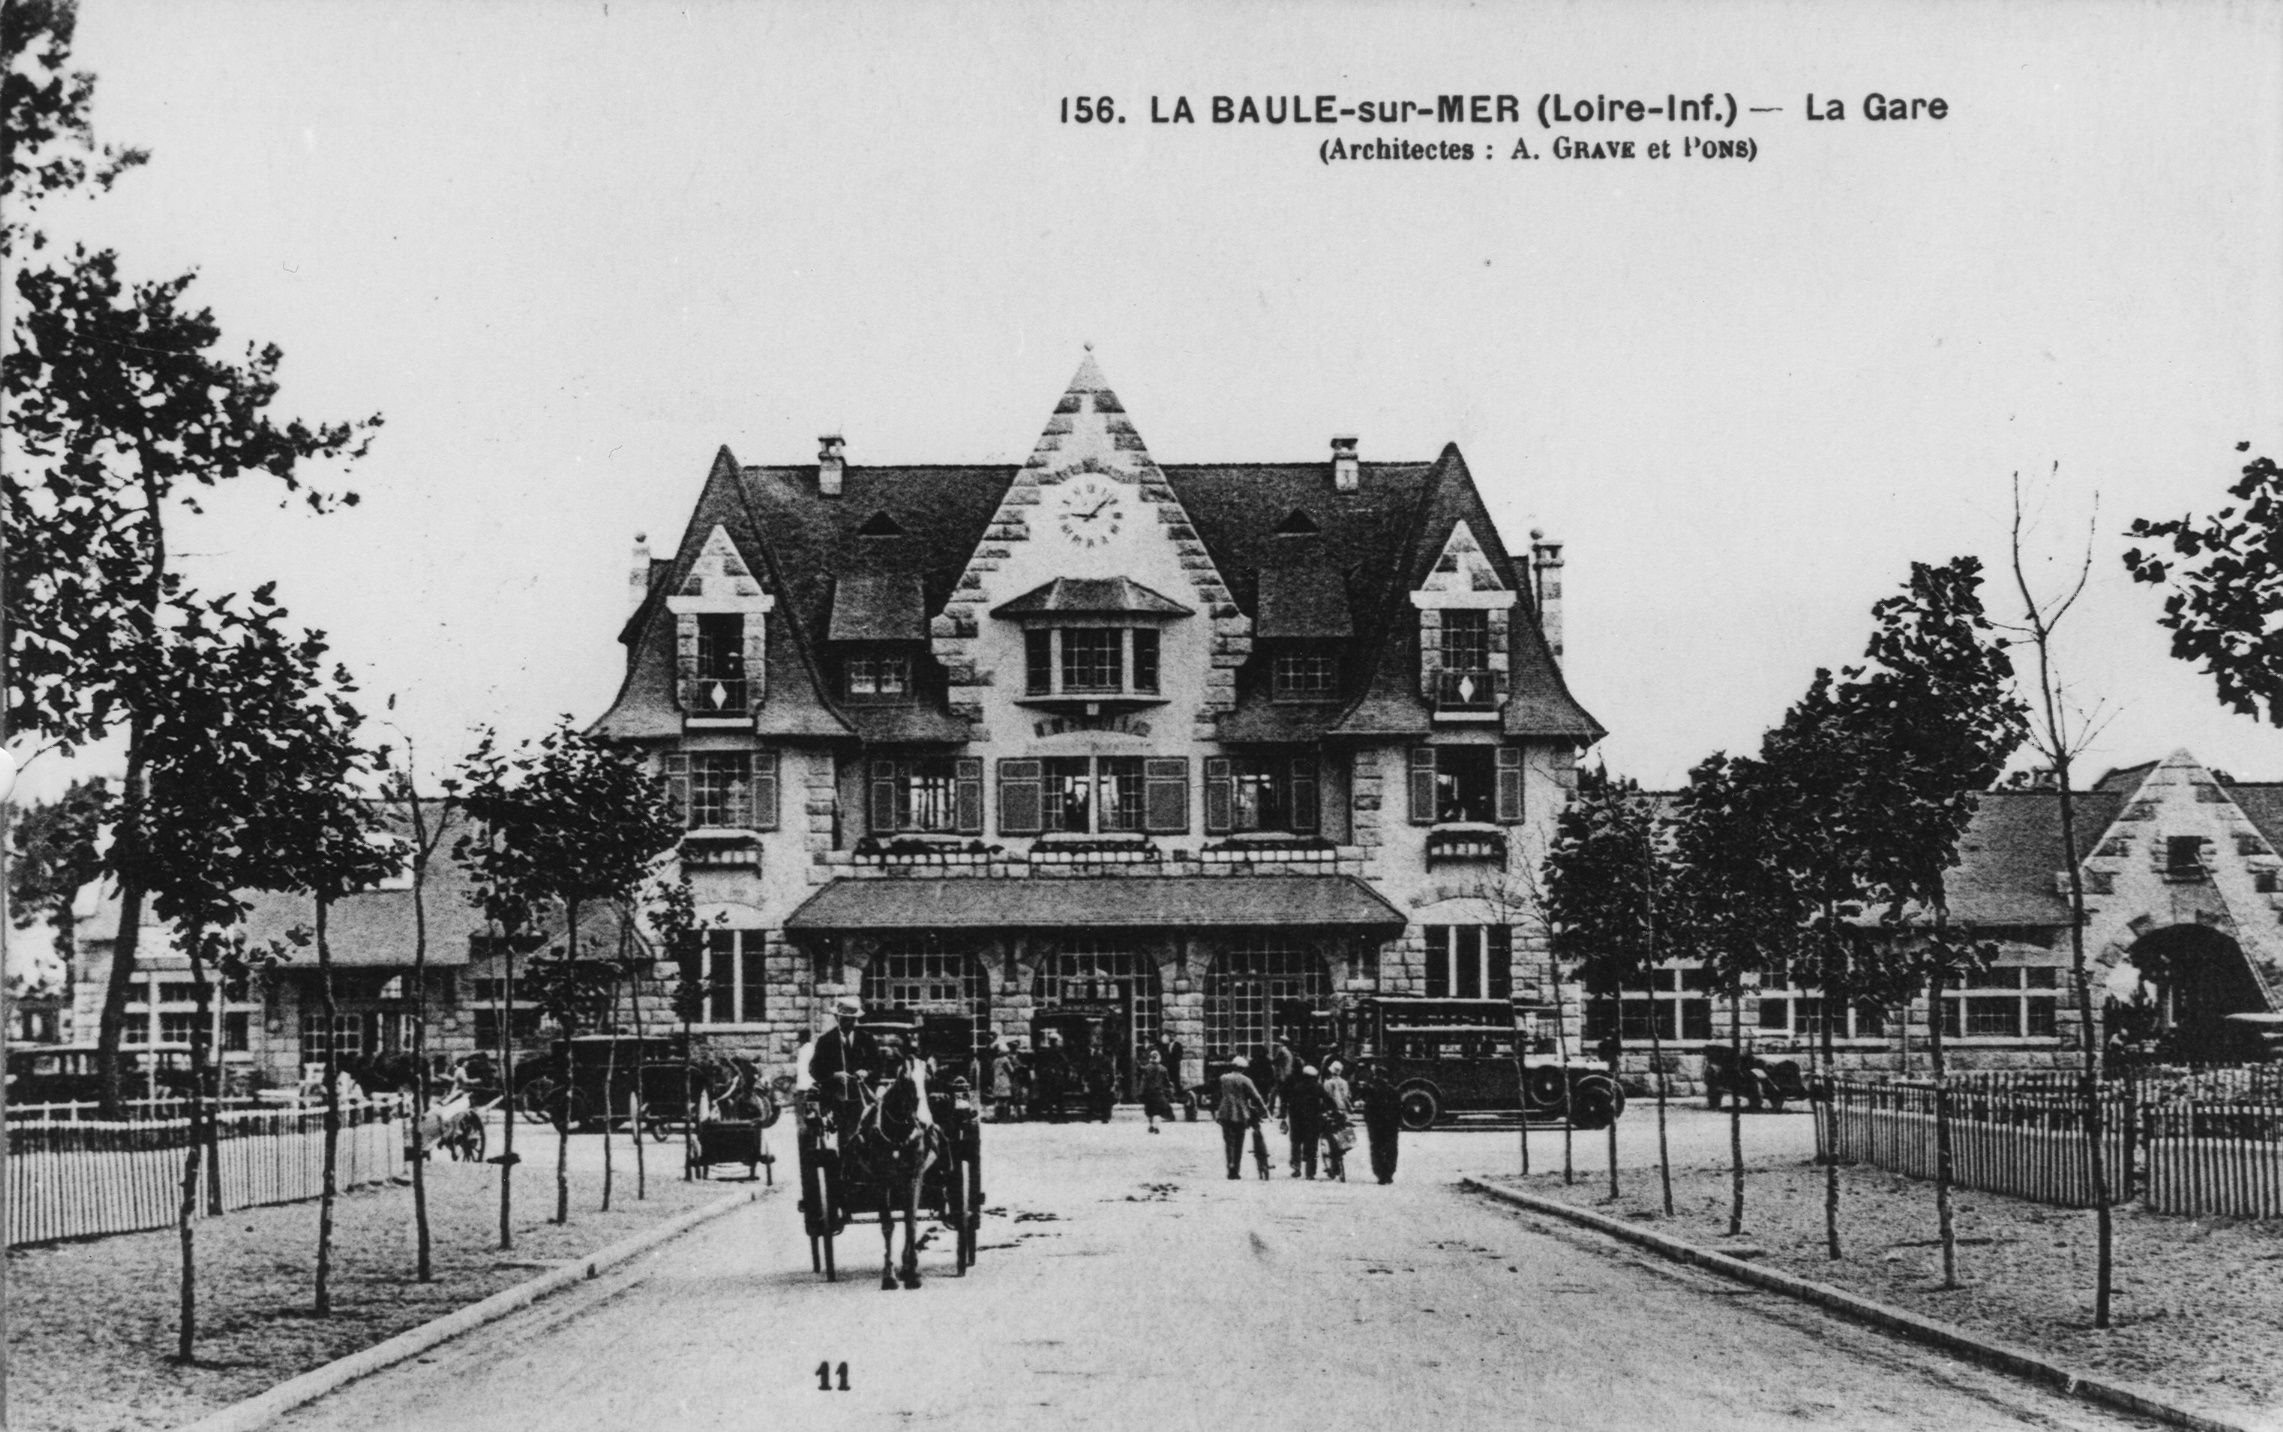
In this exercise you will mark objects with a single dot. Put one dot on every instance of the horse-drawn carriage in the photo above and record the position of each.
(592, 1076)
(893, 1141)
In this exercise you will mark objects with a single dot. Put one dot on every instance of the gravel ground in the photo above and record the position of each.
(2198, 1303)
(92, 1325)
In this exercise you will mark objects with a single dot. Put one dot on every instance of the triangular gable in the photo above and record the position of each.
(1463, 566)
(720, 573)
(1089, 433)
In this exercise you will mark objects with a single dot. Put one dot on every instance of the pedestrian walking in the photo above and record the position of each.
(1002, 1079)
(1304, 1118)
(1156, 1090)
(1382, 1118)
(1239, 1108)
(1019, 1079)
(1339, 1126)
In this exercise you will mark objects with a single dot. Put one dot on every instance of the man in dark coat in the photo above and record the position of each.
(1304, 1118)
(1382, 1118)
(1240, 1107)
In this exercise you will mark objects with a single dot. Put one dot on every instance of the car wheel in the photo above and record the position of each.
(1591, 1105)
(1544, 1087)
(1419, 1108)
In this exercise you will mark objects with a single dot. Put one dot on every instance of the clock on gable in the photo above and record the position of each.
(1090, 511)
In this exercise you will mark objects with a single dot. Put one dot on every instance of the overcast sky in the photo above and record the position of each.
(571, 250)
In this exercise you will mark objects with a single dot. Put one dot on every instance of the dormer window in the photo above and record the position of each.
(1305, 675)
(880, 678)
(721, 662)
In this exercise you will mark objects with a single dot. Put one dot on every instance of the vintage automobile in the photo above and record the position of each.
(1757, 1083)
(1447, 1058)
(569, 1082)
(66, 1074)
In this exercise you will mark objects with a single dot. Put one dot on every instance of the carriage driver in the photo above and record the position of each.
(842, 1049)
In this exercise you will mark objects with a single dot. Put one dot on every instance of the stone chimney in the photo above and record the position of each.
(829, 465)
(1346, 473)
(1546, 577)
(638, 579)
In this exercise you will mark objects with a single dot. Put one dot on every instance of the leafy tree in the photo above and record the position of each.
(1938, 721)
(674, 917)
(1734, 905)
(571, 821)
(55, 852)
(243, 722)
(2225, 608)
(120, 405)
(1607, 876)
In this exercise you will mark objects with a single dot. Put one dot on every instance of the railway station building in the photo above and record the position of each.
(1172, 742)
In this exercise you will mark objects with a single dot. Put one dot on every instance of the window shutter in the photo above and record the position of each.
(753, 980)
(764, 769)
(1220, 796)
(1438, 962)
(1501, 962)
(967, 772)
(1304, 793)
(1509, 784)
(1422, 785)
(686, 661)
(883, 817)
(1165, 795)
(1019, 797)
(756, 662)
(678, 783)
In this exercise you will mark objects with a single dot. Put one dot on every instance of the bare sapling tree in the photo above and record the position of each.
(2059, 732)
(427, 823)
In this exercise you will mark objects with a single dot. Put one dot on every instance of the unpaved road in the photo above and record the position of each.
(1125, 1283)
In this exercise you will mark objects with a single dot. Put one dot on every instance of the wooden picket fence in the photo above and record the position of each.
(81, 1178)
(2204, 1143)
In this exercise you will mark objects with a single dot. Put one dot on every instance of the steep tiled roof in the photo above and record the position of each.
(1091, 596)
(878, 606)
(2011, 854)
(2262, 801)
(1370, 548)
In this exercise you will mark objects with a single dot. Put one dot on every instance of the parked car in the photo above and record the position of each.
(1755, 1084)
(67, 1074)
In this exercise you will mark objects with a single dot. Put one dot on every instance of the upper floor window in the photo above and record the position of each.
(724, 790)
(1261, 792)
(1094, 795)
(1304, 675)
(1465, 783)
(883, 679)
(927, 795)
(1466, 640)
(721, 662)
(1090, 661)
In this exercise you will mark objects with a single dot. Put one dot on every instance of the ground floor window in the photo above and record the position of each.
(1470, 961)
(163, 1009)
(1677, 1007)
(734, 972)
(929, 981)
(2005, 1002)
(1245, 984)
(344, 1039)
(1124, 981)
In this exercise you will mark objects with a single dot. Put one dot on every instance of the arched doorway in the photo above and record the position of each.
(924, 977)
(1246, 983)
(1117, 982)
(2197, 977)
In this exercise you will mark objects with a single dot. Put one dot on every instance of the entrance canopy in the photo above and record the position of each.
(1186, 902)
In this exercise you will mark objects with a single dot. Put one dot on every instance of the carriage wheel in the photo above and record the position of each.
(826, 1179)
(536, 1099)
(479, 1141)
(955, 1211)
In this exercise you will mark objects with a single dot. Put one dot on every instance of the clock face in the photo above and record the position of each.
(1090, 511)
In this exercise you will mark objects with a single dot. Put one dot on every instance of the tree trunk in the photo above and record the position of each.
(1562, 1054)
(507, 1096)
(570, 1084)
(1826, 1114)
(1657, 1066)
(2088, 1037)
(423, 1267)
(1735, 1115)
(1616, 1056)
(1942, 1166)
(125, 856)
(641, 1051)
(690, 1097)
(324, 1305)
(186, 1332)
